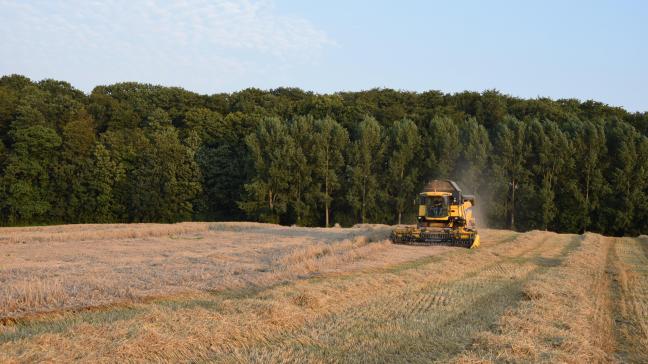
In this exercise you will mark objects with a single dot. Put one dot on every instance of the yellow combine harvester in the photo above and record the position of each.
(445, 217)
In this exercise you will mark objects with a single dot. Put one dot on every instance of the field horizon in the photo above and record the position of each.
(252, 292)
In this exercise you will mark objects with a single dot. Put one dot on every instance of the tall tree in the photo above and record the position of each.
(640, 193)
(166, 176)
(330, 141)
(71, 173)
(627, 176)
(269, 191)
(511, 152)
(592, 146)
(365, 167)
(441, 147)
(475, 151)
(104, 175)
(224, 161)
(402, 165)
(549, 153)
(26, 183)
(303, 159)
(559, 158)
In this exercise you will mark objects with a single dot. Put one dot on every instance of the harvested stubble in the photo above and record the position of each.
(76, 268)
(329, 295)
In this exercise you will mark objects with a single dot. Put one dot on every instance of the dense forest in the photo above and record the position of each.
(133, 152)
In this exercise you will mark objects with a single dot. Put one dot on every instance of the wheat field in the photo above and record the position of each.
(248, 292)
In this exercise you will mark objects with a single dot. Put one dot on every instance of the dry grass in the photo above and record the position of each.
(566, 315)
(629, 266)
(265, 293)
(94, 232)
(123, 264)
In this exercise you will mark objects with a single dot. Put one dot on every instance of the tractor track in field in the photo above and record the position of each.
(432, 308)
(447, 293)
(627, 269)
(341, 323)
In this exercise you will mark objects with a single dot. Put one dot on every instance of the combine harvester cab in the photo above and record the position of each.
(445, 217)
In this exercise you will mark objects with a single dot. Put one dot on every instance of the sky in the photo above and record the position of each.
(560, 49)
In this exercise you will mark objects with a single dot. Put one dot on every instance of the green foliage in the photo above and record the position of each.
(209, 125)
(303, 192)
(329, 143)
(510, 152)
(402, 166)
(135, 152)
(103, 176)
(72, 172)
(364, 169)
(443, 146)
(224, 168)
(473, 160)
(27, 194)
(271, 148)
(627, 173)
(166, 179)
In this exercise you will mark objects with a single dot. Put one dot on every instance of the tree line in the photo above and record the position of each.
(132, 152)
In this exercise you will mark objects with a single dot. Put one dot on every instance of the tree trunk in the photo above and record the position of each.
(512, 225)
(299, 208)
(587, 188)
(327, 213)
(364, 188)
(326, 188)
(400, 212)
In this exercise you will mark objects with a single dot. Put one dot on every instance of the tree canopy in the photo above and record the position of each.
(132, 152)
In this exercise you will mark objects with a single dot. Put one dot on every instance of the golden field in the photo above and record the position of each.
(248, 292)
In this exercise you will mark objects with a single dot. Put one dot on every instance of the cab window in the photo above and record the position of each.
(436, 206)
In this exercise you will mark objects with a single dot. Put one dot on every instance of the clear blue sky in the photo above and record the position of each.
(583, 49)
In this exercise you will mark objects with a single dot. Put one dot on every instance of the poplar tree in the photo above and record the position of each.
(559, 157)
(71, 173)
(364, 169)
(329, 144)
(549, 152)
(591, 144)
(626, 173)
(640, 220)
(271, 148)
(104, 175)
(167, 177)
(475, 152)
(302, 192)
(510, 154)
(403, 165)
(441, 140)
